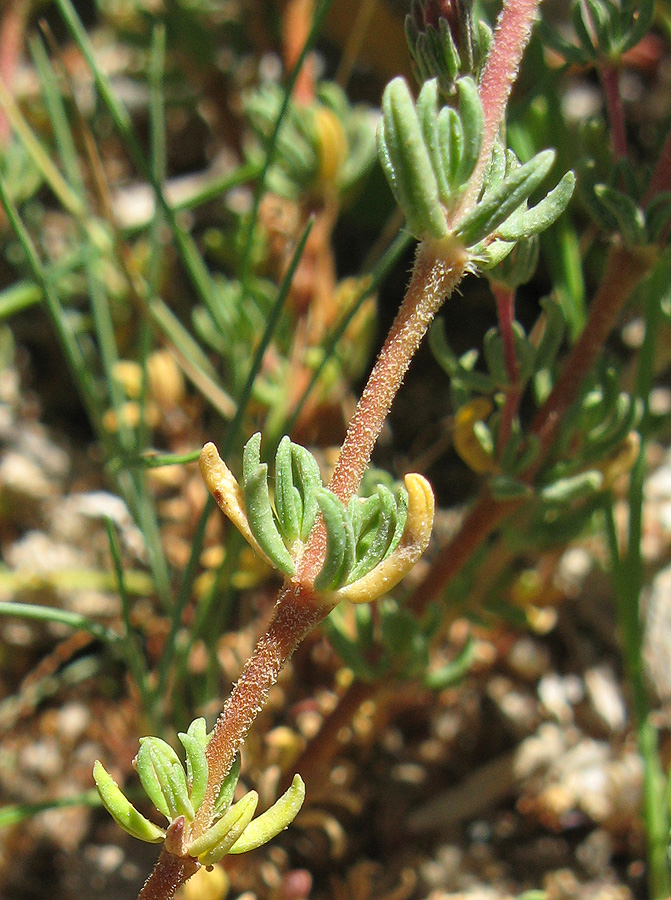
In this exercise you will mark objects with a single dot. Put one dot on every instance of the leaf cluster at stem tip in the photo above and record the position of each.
(371, 543)
(177, 792)
(429, 154)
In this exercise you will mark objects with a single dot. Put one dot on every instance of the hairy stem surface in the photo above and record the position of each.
(439, 267)
(511, 36)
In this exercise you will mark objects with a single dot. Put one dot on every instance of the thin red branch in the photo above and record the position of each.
(438, 270)
(511, 36)
(624, 269)
(610, 80)
(295, 615)
(169, 873)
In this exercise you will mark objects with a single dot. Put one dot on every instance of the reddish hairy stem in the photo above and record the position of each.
(511, 36)
(169, 873)
(439, 267)
(295, 614)
(610, 80)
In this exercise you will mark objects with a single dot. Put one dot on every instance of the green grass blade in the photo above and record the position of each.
(134, 657)
(193, 261)
(15, 813)
(64, 332)
(38, 613)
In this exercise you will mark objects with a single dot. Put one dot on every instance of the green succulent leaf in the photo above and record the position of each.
(154, 763)
(499, 203)
(535, 220)
(451, 137)
(307, 479)
(574, 487)
(427, 115)
(379, 536)
(180, 791)
(454, 672)
(274, 820)
(505, 487)
(196, 768)
(628, 215)
(121, 810)
(227, 790)
(335, 522)
(258, 507)
(217, 841)
(473, 121)
(287, 497)
(407, 163)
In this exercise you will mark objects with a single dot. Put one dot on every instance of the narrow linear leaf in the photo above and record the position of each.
(287, 498)
(336, 538)
(196, 768)
(473, 122)
(502, 201)
(218, 840)
(227, 790)
(542, 215)
(121, 810)
(404, 154)
(274, 820)
(262, 520)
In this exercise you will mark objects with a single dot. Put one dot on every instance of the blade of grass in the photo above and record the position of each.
(62, 326)
(628, 578)
(15, 813)
(200, 276)
(38, 154)
(58, 120)
(136, 660)
(37, 613)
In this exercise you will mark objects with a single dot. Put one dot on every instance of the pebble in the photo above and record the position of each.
(42, 758)
(605, 698)
(559, 694)
(72, 720)
(528, 659)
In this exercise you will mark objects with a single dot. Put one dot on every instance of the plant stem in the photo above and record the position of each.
(439, 267)
(513, 30)
(661, 176)
(169, 873)
(296, 613)
(610, 81)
